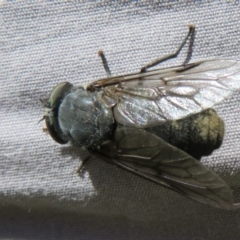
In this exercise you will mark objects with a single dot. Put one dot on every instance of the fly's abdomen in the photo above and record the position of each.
(198, 135)
(84, 119)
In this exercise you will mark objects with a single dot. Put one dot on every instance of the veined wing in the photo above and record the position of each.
(148, 156)
(147, 99)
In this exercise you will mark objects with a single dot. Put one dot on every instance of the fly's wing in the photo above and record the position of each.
(147, 99)
(144, 154)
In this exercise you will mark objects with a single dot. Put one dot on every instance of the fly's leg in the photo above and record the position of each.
(190, 47)
(80, 168)
(191, 30)
(104, 62)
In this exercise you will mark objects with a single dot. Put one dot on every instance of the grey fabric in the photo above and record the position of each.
(47, 42)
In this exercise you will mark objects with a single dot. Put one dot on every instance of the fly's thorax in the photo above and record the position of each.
(198, 135)
(84, 119)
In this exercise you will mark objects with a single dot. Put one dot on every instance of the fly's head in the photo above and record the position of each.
(51, 106)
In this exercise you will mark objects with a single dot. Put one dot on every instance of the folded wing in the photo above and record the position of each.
(144, 154)
(147, 99)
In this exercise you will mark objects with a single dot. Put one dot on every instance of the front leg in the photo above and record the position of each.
(104, 62)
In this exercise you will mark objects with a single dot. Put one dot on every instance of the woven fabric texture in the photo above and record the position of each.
(48, 42)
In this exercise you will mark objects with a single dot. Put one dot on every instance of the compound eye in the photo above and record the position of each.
(56, 97)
